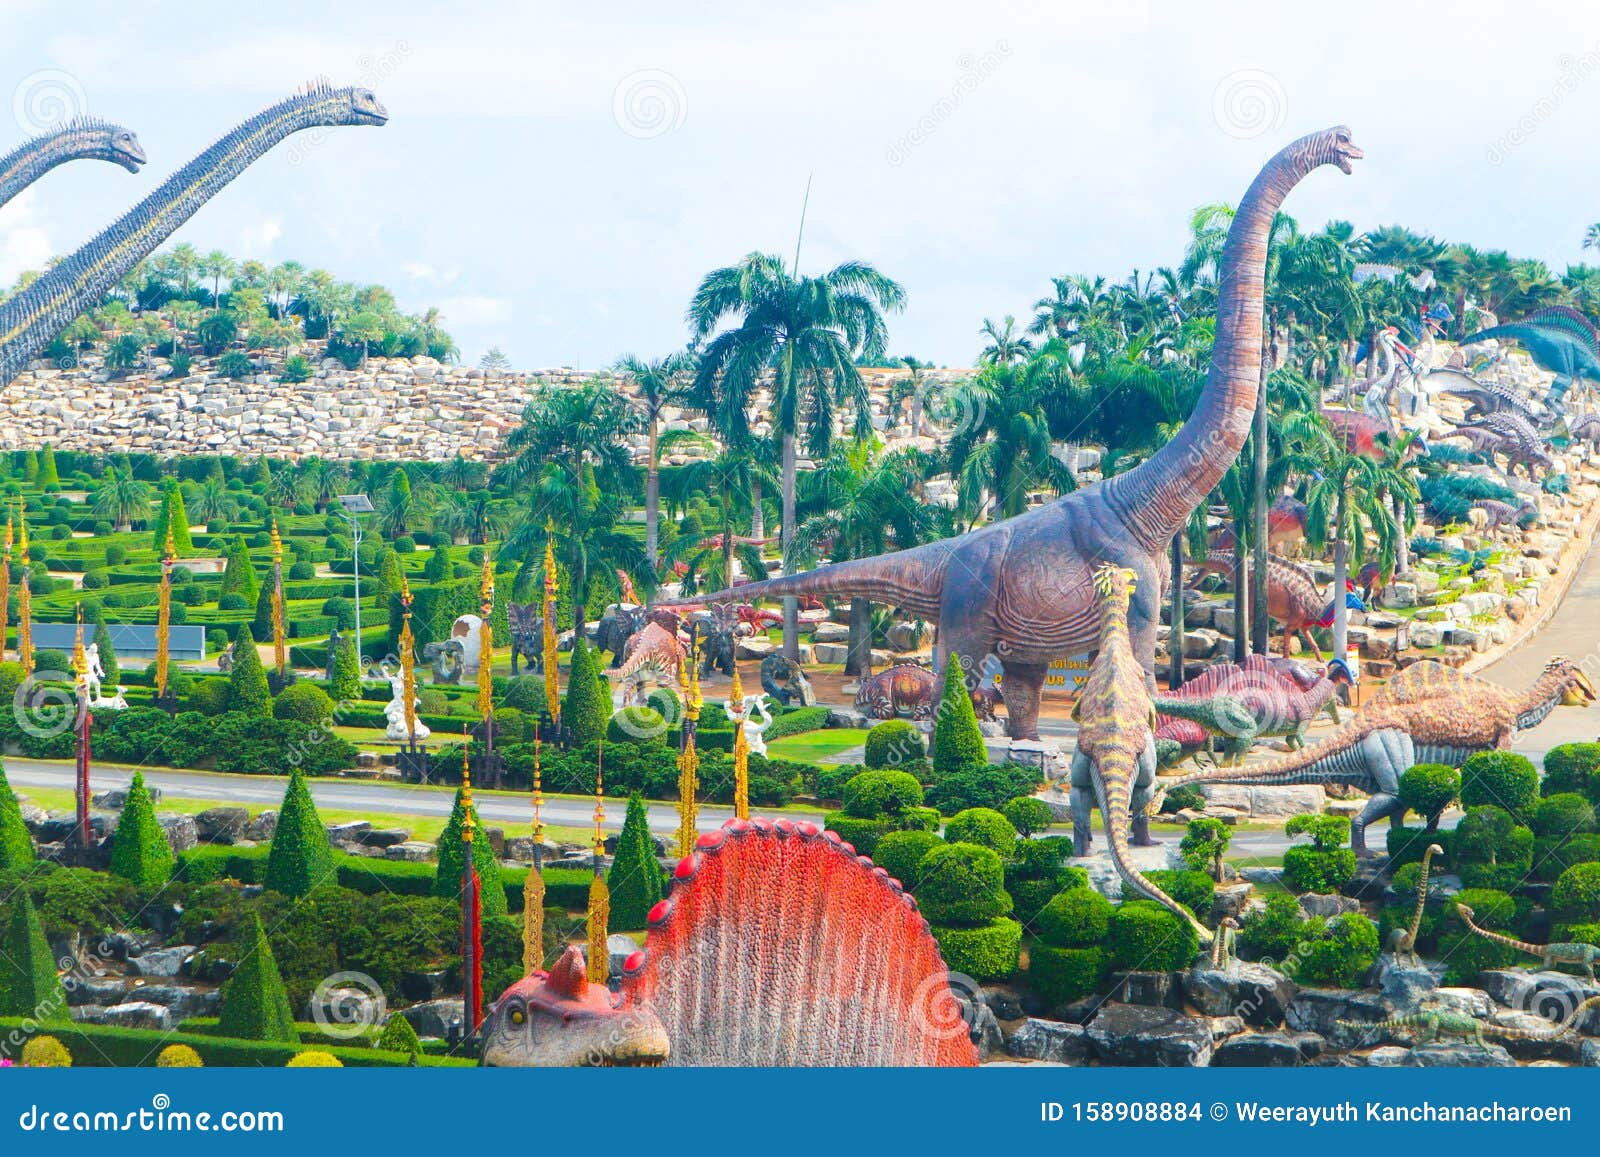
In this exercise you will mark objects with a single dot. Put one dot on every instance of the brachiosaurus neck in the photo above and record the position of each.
(27, 163)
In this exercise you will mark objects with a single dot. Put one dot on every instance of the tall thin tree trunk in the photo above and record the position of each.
(1241, 597)
(1341, 612)
(791, 605)
(1175, 636)
(1402, 546)
(727, 536)
(1259, 623)
(758, 517)
(858, 651)
(652, 503)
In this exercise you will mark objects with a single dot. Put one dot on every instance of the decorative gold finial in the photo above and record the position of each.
(599, 914)
(468, 823)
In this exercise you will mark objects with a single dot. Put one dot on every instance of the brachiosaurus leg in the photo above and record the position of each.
(1021, 688)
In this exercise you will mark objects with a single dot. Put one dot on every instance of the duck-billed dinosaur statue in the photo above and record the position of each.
(1403, 941)
(31, 318)
(80, 139)
(1429, 713)
(1022, 589)
(1114, 764)
(1292, 598)
(777, 946)
(1580, 954)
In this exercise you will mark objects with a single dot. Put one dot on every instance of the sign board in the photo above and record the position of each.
(1065, 676)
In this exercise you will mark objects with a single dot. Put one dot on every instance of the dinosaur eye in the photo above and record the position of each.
(518, 1016)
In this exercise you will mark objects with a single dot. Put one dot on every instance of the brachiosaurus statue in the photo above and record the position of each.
(1429, 713)
(1115, 760)
(777, 946)
(31, 318)
(1579, 954)
(1022, 589)
(79, 139)
(1403, 941)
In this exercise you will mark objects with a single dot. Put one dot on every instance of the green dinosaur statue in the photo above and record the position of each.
(1403, 941)
(1429, 1024)
(1579, 954)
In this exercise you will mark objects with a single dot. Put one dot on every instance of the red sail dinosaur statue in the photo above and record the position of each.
(1292, 598)
(777, 946)
(1022, 588)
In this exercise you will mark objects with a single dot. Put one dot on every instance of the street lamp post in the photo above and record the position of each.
(354, 506)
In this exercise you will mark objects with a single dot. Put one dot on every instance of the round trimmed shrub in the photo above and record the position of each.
(233, 601)
(341, 610)
(1576, 895)
(1429, 788)
(1337, 953)
(1493, 850)
(94, 580)
(304, 703)
(1145, 937)
(1308, 869)
(178, 1057)
(637, 725)
(45, 1052)
(314, 1059)
(1553, 855)
(878, 793)
(1464, 952)
(525, 693)
(988, 951)
(981, 825)
(405, 544)
(1063, 975)
(510, 725)
(208, 696)
(49, 661)
(1499, 779)
(398, 1036)
(900, 854)
(1076, 918)
(962, 884)
(1194, 890)
(1564, 814)
(116, 554)
(1271, 932)
(302, 569)
(893, 742)
(1573, 767)
(1028, 814)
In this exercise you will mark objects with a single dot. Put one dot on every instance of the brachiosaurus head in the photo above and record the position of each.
(560, 1020)
(1334, 146)
(116, 144)
(347, 106)
(1577, 690)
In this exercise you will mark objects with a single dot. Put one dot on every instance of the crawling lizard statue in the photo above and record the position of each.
(1403, 941)
(1429, 1024)
(1579, 954)
(776, 946)
(1115, 759)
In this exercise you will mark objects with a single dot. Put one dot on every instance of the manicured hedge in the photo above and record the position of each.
(1145, 937)
(1077, 918)
(1063, 975)
(986, 952)
(100, 1046)
(797, 720)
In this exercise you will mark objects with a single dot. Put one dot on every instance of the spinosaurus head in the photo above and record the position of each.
(560, 1020)
(1577, 690)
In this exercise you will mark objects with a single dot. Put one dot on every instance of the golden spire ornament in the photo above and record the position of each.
(80, 660)
(533, 887)
(741, 748)
(599, 895)
(689, 759)
(552, 685)
(486, 649)
(25, 609)
(280, 643)
(164, 616)
(5, 588)
(408, 662)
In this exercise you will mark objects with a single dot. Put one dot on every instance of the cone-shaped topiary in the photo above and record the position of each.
(447, 878)
(255, 1005)
(247, 682)
(345, 684)
(240, 577)
(957, 742)
(102, 639)
(29, 984)
(389, 573)
(635, 878)
(171, 514)
(140, 852)
(586, 710)
(16, 844)
(48, 475)
(30, 466)
(261, 621)
(301, 857)
(399, 1037)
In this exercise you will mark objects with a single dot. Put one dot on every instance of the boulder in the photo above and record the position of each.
(1547, 994)
(1157, 989)
(383, 837)
(183, 1000)
(1458, 1056)
(116, 798)
(409, 852)
(1258, 994)
(826, 632)
(1591, 1054)
(830, 652)
(1135, 1034)
(1229, 900)
(139, 1014)
(1405, 986)
(1318, 904)
(104, 991)
(164, 962)
(1275, 802)
(434, 1017)
(1320, 1010)
(348, 833)
(1267, 1050)
(1050, 1040)
(222, 825)
(261, 828)
(181, 831)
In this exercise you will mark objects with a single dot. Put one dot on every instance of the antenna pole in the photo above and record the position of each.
(800, 235)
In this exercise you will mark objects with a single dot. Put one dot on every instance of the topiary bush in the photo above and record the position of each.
(1463, 951)
(29, 984)
(1029, 815)
(987, 951)
(1553, 855)
(984, 826)
(1270, 933)
(892, 743)
(1500, 779)
(1205, 841)
(1076, 918)
(900, 854)
(45, 1052)
(987, 785)
(398, 1036)
(1406, 845)
(1336, 953)
(1429, 788)
(1038, 871)
(301, 857)
(303, 703)
(16, 844)
(179, 1057)
(1194, 890)
(957, 741)
(255, 1005)
(1575, 898)
(962, 884)
(587, 709)
(881, 793)
(247, 682)
(1064, 975)
(1145, 937)
(635, 879)
(1573, 767)
(140, 852)
(637, 725)
(1492, 850)
(1563, 814)
(1325, 866)
(313, 1059)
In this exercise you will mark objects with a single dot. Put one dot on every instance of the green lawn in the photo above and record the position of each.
(819, 747)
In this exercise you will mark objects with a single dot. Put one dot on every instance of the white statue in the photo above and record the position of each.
(753, 731)
(395, 713)
(93, 673)
(468, 629)
(118, 702)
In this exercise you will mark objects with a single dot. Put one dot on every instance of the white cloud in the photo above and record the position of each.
(475, 310)
(24, 242)
(255, 240)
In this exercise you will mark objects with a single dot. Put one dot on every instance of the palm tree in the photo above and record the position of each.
(209, 500)
(469, 517)
(217, 265)
(321, 480)
(122, 499)
(1346, 497)
(659, 383)
(865, 504)
(1002, 448)
(808, 332)
(1006, 345)
(185, 263)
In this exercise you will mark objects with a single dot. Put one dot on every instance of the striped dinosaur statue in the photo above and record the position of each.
(1262, 697)
(1292, 597)
(31, 318)
(79, 139)
(1429, 1024)
(1581, 955)
(1429, 713)
(1403, 941)
(1115, 760)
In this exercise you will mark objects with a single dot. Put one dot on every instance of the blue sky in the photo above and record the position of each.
(558, 177)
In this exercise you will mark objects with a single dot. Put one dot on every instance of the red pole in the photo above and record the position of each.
(85, 720)
(472, 943)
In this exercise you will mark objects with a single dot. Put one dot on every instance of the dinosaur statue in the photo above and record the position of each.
(527, 635)
(783, 679)
(1280, 697)
(1292, 598)
(1286, 525)
(1222, 953)
(1429, 713)
(1483, 397)
(654, 646)
(30, 319)
(1114, 762)
(719, 640)
(79, 139)
(1181, 739)
(1581, 955)
(1553, 346)
(905, 687)
(777, 946)
(1503, 516)
(1430, 1024)
(1022, 588)
(1519, 431)
(1489, 442)
(619, 624)
(1403, 941)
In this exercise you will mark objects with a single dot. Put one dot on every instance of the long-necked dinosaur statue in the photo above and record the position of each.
(1114, 764)
(1022, 589)
(79, 139)
(1579, 954)
(1403, 941)
(1429, 713)
(31, 318)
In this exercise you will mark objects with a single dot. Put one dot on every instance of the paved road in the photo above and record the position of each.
(359, 796)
